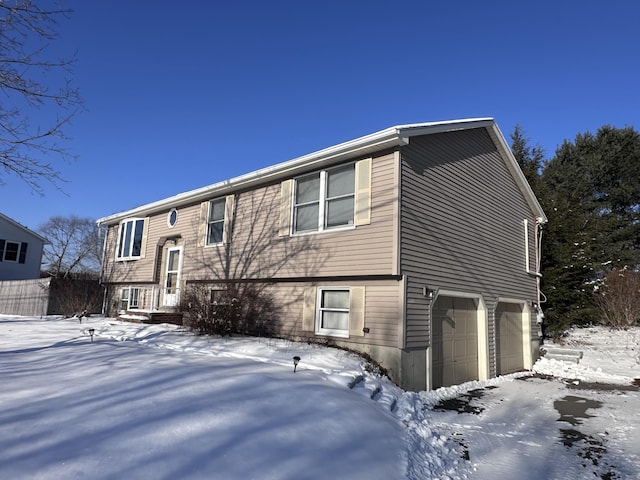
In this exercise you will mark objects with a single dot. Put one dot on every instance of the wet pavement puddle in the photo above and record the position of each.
(462, 403)
(573, 410)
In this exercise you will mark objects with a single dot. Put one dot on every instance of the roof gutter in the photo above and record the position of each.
(362, 146)
(368, 144)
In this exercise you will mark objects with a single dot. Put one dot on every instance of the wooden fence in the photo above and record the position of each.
(25, 297)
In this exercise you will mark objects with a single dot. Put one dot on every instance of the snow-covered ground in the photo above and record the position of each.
(157, 402)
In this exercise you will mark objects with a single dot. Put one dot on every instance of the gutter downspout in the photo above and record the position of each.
(538, 257)
(537, 236)
(104, 252)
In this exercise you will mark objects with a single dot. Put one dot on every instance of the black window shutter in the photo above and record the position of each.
(1, 249)
(23, 253)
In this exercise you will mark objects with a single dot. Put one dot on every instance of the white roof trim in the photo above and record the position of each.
(22, 227)
(519, 177)
(388, 138)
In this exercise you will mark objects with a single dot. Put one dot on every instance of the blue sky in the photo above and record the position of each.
(180, 95)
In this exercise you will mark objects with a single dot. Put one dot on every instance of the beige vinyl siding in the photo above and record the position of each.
(382, 305)
(309, 310)
(255, 249)
(258, 250)
(462, 227)
(146, 269)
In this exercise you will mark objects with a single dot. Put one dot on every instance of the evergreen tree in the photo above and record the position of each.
(530, 158)
(592, 199)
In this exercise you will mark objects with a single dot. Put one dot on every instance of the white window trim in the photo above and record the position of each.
(208, 223)
(525, 222)
(322, 203)
(527, 255)
(134, 300)
(133, 230)
(4, 254)
(129, 298)
(123, 298)
(330, 332)
(173, 210)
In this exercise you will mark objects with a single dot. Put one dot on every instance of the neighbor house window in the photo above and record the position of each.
(332, 316)
(13, 251)
(324, 199)
(130, 240)
(215, 225)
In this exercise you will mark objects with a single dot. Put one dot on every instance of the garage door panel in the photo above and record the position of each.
(455, 341)
(509, 338)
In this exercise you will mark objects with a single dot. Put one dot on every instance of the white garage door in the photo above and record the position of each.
(509, 343)
(455, 341)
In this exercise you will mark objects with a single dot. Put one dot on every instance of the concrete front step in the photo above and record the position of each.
(151, 317)
(562, 358)
(562, 351)
(561, 354)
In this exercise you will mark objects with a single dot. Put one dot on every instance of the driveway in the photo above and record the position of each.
(534, 427)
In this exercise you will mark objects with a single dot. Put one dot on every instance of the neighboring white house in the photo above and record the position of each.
(20, 251)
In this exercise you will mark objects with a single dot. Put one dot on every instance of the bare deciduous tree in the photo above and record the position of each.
(33, 85)
(241, 267)
(74, 246)
(618, 299)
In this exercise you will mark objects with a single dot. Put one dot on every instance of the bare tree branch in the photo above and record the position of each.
(618, 299)
(74, 246)
(33, 85)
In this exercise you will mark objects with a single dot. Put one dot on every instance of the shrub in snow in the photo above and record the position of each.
(618, 299)
(70, 296)
(230, 308)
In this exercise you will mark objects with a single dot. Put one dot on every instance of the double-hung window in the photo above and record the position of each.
(333, 312)
(215, 227)
(130, 240)
(13, 251)
(324, 199)
(215, 223)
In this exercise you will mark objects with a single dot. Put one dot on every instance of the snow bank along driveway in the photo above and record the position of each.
(156, 402)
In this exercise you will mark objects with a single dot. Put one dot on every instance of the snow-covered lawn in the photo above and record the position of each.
(157, 402)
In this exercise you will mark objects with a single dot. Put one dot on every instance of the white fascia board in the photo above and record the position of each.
(413, 130)
(383, 139)
(362, 146)
(23, 228)
(519, 177)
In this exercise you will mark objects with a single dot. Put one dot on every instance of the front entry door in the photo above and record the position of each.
(172, 277)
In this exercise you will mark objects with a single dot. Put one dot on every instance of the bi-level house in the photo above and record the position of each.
(417, 245)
